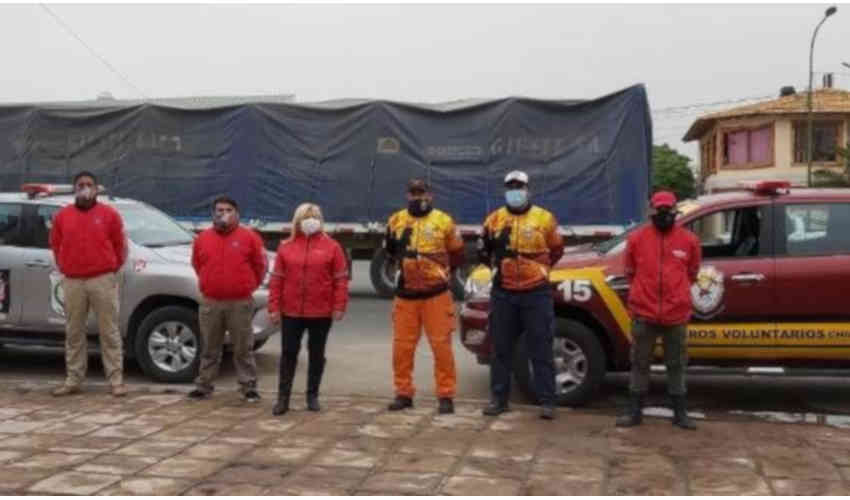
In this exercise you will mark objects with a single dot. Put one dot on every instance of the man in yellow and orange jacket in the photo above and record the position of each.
(427, 245)
(521, 242)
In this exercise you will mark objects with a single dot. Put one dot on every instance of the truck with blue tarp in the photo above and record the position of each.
(588, 160)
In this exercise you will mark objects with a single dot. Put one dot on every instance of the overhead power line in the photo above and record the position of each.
(94, 53)
(697, 106)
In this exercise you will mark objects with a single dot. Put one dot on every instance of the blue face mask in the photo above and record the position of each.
(516, 198)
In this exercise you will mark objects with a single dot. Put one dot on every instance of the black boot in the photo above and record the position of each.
(495, 408)
(680, 413)
(314, 380)
(287, 373)
(447, 406)
(634, 412)
(282, 405)
(400, 403)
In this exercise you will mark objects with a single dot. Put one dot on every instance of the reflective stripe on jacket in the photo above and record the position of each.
(310, 278)
(427, 247)
(523, 246)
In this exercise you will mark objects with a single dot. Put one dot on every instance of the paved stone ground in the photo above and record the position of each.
(155, 443)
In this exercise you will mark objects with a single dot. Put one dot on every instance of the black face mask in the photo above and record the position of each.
(418, 208)
(664, 220)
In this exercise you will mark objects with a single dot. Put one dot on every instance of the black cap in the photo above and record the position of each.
(418, 185)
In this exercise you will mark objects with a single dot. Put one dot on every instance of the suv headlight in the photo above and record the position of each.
(478, 284)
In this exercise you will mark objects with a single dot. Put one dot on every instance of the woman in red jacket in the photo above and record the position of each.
(308, 291)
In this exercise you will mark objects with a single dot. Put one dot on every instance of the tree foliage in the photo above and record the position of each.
(670, 170)
(832, 178)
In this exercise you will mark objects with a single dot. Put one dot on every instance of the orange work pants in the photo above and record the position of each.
(437, 315)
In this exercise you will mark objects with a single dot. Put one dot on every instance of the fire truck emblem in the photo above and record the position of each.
(707, 292)
(57, 293)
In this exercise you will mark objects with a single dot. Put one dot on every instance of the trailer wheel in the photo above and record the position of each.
(383, 271)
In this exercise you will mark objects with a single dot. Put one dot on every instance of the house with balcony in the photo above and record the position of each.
(769, 139)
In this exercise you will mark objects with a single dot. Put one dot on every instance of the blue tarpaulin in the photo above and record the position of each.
(589, 161)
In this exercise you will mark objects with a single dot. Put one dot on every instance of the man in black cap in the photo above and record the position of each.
(428, 245)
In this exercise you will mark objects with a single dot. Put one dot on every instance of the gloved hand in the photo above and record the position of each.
(396, 247)
(404, 243)
(500, 244)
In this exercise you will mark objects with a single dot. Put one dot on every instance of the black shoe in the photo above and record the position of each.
(495, 408)
(400, 403)
(198, 394)
(680, 414)
(634, 412)
(447, 406)
(313, 403)
(281, 407)
(547, 412)
(251, 396)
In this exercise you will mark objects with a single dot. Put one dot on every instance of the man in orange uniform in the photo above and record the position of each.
(521, 242)
(427, 246)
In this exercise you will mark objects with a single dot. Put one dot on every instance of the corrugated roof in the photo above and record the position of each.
(193, 102)
(823, 101)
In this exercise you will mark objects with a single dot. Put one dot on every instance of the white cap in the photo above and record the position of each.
(518, 176)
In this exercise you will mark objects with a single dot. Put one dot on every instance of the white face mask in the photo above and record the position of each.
(223, 221)
(310, 225)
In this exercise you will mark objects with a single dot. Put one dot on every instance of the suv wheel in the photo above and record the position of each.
(168, 344)
(580, 364)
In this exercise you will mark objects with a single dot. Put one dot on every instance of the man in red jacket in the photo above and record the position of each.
(230, 262)
(662, 262)
(89, 247)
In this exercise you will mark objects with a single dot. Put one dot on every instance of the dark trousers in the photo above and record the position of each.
(292, 330)
(511, 315)
(644, 336)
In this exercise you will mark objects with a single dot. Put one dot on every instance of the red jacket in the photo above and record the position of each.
(310, 278)
(230, 266)
(88, 243)
(661, 268)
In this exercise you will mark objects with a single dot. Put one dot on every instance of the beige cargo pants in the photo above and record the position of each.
(215, 318)
(101, 294)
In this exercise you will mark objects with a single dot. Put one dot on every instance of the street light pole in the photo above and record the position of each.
(830, 11)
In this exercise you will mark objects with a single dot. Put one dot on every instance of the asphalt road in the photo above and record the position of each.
(360, 363)
(359, 356)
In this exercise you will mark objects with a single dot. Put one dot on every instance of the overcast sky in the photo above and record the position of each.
(684, 54)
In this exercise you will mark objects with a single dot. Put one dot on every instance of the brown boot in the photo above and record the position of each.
(66, 390)
(119, 391)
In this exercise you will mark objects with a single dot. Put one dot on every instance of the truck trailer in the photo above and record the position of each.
(588, 160)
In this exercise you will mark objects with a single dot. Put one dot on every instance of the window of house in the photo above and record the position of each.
(825, 136)
(748, 146)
